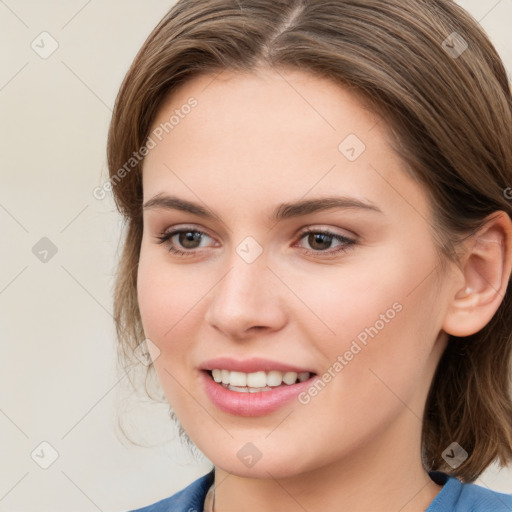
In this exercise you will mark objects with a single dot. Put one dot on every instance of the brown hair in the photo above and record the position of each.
(450, 108)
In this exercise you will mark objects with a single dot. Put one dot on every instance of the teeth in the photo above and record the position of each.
(274, 378)
(304, 376)
(290, 377)
(257, 380)
(238, 379)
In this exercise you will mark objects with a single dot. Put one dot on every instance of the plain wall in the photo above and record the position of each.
(57, 366)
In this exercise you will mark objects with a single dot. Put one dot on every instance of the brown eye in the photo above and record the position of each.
(319, 241)
(189, 239)
(183, 242)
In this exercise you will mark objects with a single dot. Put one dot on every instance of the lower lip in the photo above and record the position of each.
(252, 404)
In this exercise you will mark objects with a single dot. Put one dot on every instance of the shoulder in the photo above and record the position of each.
(456, 496)
(484, 499)
(190, 499)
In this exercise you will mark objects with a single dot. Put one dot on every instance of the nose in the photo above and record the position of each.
(248, 300)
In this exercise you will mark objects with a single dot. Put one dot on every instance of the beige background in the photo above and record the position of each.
(57, 365)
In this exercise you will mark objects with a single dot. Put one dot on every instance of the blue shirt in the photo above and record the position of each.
(453, 497)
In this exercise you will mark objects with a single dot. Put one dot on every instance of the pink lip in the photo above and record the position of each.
(254, 364)
(252, 404)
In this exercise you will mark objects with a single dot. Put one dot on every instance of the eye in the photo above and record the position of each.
(186, 238)
(321, 242)
(186, 241)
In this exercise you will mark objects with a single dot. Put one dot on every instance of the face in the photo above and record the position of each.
(282, 235)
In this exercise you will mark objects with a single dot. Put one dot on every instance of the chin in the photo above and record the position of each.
(275, 464)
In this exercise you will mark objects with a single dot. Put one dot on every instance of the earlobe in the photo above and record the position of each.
(486, 267)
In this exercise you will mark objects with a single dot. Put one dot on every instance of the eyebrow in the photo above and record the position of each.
(281, 212)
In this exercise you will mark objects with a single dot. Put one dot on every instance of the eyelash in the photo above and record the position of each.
(348, 243)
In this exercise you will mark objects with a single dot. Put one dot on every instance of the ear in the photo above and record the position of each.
(486, 267)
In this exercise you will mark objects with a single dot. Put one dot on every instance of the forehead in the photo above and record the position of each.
(269, 113)
(267, 101)
(267, 134)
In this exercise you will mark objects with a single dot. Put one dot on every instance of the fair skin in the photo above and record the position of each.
(253, 142)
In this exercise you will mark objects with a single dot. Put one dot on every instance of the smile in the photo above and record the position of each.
(254, 386)
(256, 381)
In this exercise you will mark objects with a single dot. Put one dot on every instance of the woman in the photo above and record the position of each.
(319, 249)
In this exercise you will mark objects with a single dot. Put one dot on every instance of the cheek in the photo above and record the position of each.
(153, 305)
(165, 304)
(171, 302)
(383, 318)
(362, 291)
(166, 295)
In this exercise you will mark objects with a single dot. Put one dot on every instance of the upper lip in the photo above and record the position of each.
(251, 365)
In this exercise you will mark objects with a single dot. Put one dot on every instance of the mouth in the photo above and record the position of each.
(254, 394)
(255, 382)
